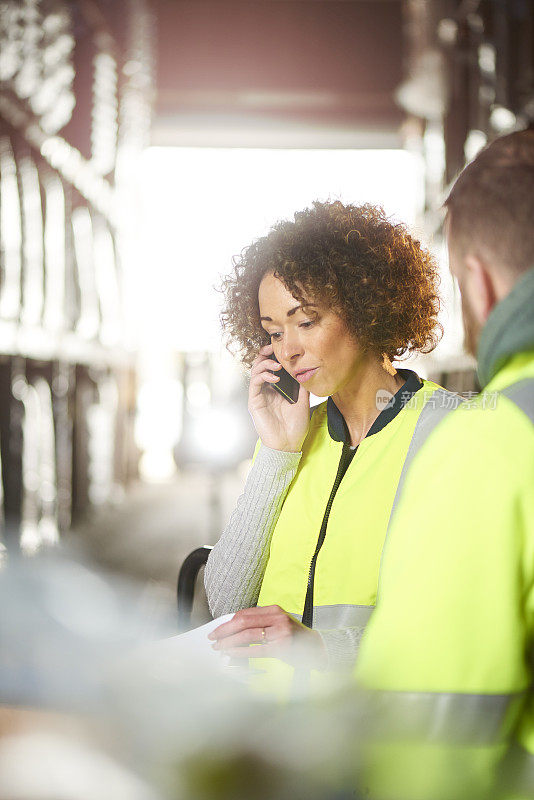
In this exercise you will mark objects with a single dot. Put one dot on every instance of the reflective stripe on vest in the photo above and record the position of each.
(429, 418)
(432, 414)
(440, 717)
(522, 395)
(339, 616)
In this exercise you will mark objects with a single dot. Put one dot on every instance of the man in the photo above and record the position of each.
(449, 646)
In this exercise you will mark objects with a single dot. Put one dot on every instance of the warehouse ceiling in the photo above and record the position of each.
(275, 73)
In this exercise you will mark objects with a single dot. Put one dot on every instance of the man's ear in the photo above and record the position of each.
(484, 294)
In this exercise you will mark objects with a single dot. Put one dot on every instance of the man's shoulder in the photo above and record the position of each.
(478, 461)
(490, 428)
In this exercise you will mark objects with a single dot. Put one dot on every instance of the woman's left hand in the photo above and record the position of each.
(278, 633)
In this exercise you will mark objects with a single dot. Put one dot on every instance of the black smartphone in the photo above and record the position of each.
(287, 386)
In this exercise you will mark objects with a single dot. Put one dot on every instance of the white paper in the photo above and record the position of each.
(195, 643)
(197, 639)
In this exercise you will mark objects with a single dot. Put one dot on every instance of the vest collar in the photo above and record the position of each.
(337, 427)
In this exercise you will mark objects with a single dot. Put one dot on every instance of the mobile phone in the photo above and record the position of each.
(287, 386)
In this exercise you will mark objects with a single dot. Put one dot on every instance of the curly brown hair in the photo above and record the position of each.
(352, 259)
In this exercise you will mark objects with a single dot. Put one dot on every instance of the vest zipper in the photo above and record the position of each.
(347, 454)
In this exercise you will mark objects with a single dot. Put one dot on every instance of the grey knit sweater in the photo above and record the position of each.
(237, 563)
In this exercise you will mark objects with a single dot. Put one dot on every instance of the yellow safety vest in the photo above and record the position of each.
(448, 654)
(345, 574)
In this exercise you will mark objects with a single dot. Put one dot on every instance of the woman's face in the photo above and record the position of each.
(311, 342)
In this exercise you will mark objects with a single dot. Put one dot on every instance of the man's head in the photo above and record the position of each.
(490, 226)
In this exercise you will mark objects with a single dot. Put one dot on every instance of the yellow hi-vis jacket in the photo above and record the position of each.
(326, 547)
(448, 653)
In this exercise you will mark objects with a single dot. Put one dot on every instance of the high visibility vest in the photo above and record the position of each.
(448, 654)
(347, 566)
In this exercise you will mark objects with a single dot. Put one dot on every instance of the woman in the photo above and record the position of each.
(336, 295)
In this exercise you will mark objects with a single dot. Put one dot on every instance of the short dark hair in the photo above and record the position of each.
(352, 259)
(490, 207)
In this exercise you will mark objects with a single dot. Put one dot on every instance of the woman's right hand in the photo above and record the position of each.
(279, 424)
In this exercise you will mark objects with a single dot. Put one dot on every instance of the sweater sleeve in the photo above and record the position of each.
(236, 565)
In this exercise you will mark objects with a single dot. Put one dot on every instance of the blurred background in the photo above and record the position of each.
(142, 144)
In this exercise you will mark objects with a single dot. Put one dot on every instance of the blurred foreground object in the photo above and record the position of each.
(99, 703)
(41, 764)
